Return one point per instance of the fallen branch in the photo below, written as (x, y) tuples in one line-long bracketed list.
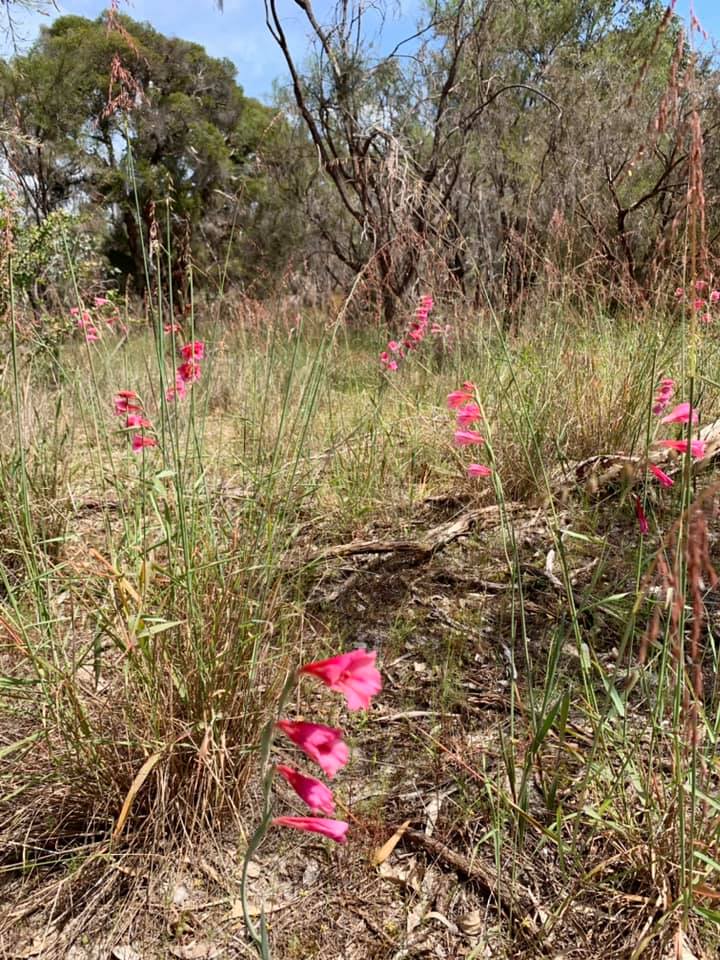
[(435, 539)]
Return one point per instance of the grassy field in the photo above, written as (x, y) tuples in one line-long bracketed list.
[(546, 739)]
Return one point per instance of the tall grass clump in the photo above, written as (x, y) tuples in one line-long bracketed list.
[(146, 620)]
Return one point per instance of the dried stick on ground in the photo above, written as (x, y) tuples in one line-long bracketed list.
[(513, 899)]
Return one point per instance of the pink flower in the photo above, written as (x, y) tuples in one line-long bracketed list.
[(74, 311), (458, 397), (101, 301), (681, 414), (91, 334), (126, 401), (139, 441), (136, 420), (84, 319), (464, 438), (384, 357), (353, 674), (334, 829), (679, 294), (700, 285), (394, 346), (641, 518), (468, 414), (663, 478), (172, 328), (189, 372), (697, 447), (193, 351), (478, 470), (667, 388), (393, 365), (322, 744), (706, 318), (699, 304), (313, 792), (176, 392), (714, 296)]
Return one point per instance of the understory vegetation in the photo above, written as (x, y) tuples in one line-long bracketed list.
[(295, 394)]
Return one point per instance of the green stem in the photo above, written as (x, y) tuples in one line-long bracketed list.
[(268, 775)]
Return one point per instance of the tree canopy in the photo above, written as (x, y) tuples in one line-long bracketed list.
[(150, 128)]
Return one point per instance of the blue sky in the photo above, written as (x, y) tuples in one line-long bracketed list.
[(241, 35)]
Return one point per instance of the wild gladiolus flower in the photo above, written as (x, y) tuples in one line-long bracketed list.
[(126, 401), (714, 296), (664, 396), (468, 414), (699, 304), (322, 744), (136, 420), (101, 301), (697, 447), (74, 311), (334, 829), (681, 414), (193, 351), (139, 441), (176, 392), (457, 398), (171, 328), (313, 792), (189, 372), (478, 470), (641, 518), (353, 674), (663, 478), (464, 438), (700, 285), (91, 334)]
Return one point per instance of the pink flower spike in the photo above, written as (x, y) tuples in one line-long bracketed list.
[(681, 414), (91, 334), (353, 674), (468, 414), (139, 441), (392, 365), (74, 311), (714, 296), (322, 744), (663, 479), (697, 447), (189, 372), (464, 438), (312, 791), (101, 301), (699, 304), (394, 346), (641, 518), (478, 470), (334, 829)]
